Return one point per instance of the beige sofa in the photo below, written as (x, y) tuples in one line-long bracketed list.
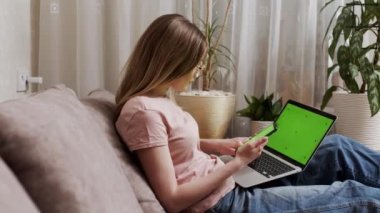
[(60, 153)]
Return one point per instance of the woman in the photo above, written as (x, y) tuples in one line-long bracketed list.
[(178, 165)]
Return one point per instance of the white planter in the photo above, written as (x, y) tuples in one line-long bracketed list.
[(354, 119), (259, 125), (212, 113)]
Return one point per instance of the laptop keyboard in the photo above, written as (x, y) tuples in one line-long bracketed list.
[(269, 166)]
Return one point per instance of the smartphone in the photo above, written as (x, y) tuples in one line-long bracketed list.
[(262, 133)]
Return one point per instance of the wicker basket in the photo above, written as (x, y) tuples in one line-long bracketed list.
[(212, 113)]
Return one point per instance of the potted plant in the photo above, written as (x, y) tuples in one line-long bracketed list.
[(358, 102), (216, 51), (262, 111), (211, 109)]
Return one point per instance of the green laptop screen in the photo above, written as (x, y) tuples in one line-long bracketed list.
[(299, 132)]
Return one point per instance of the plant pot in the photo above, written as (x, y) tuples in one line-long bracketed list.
[(256, 126), (212, 113), (354, 119)]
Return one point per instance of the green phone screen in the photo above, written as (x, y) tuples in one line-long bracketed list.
[(262, 133)]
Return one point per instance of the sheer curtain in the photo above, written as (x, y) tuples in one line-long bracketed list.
[(277, 45), (279, 50), (85, 43)]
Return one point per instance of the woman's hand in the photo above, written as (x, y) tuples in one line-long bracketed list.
[(250, 151), (230, 145)]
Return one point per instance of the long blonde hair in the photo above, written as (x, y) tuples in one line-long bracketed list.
[(169, 48)]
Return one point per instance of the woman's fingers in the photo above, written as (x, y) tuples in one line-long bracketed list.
[(252, 150), (261, 142), (231, 151)]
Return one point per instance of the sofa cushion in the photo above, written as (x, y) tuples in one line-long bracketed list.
[(102, 106), (55, 147), (13, 197)]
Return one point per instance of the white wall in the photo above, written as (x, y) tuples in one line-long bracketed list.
[(15, 45)]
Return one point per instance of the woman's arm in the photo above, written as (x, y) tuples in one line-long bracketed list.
[(159, 170), (221, 146)]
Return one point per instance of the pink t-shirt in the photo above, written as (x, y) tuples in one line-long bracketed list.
[(149, 122)]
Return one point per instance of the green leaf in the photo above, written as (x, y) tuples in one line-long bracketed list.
[(329, 25), (343, 20), (365, 50), (369, 12), (356, 42), (261, 99), (354, 70), (277, 106), (331, 48), (327, 96), (226, 49), (373, 93), (247, 99), (346, 72), (270, 98), (352, 85), (244, 112), (348, 26), (259, 113), (254, 99), (267, 108), (369, 2), (377, 12), (224, 55), (324, 6), (343, 56), (267, 116), (366, 69), (331, 69), (262, 108)]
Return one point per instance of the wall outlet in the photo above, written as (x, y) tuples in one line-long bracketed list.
[(54, 7), (22, 82)]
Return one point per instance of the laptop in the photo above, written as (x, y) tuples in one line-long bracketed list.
[(299, 130)]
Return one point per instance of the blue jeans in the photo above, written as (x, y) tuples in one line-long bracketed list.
[(343, 176)]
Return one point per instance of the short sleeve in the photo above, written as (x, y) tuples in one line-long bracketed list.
[(145, 129)]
